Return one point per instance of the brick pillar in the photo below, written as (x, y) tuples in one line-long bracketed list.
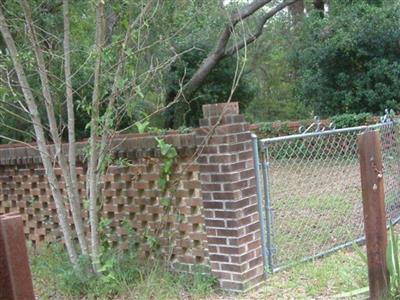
[(229, 197)]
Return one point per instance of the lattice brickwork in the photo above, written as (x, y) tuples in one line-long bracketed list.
[(130, 200)]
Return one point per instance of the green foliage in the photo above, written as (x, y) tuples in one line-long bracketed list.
[(165, 202), (143, 84), (352, 120), (52, 266), (275, 98), (168, 155), (142, 126), (152, 241), (122, 162), (184, 129), (349, 62), (339, 272), (124, 276), (393, 265), (217, 87), (272, 129)]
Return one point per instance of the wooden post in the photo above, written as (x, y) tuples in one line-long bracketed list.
[(15, 276), (371, 168)]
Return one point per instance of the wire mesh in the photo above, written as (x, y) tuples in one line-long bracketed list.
[(312, 190)]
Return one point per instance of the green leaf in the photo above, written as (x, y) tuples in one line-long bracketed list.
[(357, 292), (166, 202), (168, 166), (392, 257), (162, 183), (142, 126), (360, 253), (165, 148), (172, 153)]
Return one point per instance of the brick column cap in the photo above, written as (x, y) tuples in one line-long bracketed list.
[(214, 110)]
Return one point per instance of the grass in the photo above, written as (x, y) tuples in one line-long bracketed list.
[(318, 225), (340, 272), (54, 279), (124, 278), (316, 206)]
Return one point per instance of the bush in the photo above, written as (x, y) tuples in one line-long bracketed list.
[(352, 120), (349, 62), (272, 129)]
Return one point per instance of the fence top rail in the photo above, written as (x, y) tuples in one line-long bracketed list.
[(322, 133)]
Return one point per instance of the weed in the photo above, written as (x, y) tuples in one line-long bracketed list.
[(123, 277)]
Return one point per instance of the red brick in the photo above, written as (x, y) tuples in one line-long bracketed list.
[(223, 158), (213, 205), (215, 223), (226, 195), (211, 110), (224, 177), (228, 232), (231, 267), (220, 258), (211, 187), (230, 128), (217, 241)]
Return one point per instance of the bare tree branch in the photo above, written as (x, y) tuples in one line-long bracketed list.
[(220, 52), (93, 172), (259, 29), (75, 201)]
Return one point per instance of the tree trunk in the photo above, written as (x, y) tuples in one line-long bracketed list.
[(55, 133), (296, 11), (319, 6), (75, 200), (93, 171), (40, 140)]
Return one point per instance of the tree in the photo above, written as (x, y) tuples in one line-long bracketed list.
[(105, 78), (296, 11), (319, 6), (349, 62), (217, 85)]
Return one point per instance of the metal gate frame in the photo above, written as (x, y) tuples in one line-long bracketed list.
[(261, 166)]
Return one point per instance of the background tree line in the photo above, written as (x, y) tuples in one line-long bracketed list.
[(318, 57)]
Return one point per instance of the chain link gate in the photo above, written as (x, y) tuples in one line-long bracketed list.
[(309, 191)]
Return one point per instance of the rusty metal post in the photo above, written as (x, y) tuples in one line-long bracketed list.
[(371, 168), (15, 275)]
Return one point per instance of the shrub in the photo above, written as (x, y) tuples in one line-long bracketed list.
[(352, 120), (349, 61)]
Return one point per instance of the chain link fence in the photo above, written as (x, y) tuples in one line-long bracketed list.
[(310, 191)]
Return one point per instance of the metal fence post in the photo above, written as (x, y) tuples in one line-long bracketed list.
[(257, 165), (268, 209)]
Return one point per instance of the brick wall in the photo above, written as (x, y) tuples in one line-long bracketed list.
[(130, 199), (213, 220)]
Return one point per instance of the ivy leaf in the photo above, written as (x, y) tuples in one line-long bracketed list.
[(142, 126), (168, 166), (166, 202), (171, 153), (162, 183)]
